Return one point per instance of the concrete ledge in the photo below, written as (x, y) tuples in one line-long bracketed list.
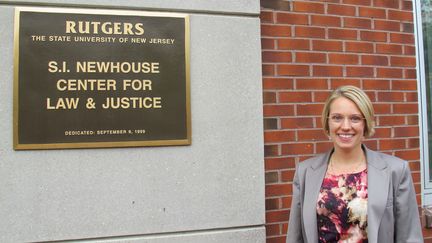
[(234, 235)]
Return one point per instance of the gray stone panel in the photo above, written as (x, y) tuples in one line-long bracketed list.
[(216, 183), (213, 6)]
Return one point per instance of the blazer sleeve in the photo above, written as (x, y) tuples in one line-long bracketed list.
[(407, 220), (294, 234)]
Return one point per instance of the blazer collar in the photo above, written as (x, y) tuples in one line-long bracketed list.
[(373, 159), (321, 161), (377, 192), (314, 177)]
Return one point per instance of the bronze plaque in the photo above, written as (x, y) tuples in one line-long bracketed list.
[(100, 78)]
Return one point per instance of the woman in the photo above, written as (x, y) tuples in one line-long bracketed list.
[(351, 193)]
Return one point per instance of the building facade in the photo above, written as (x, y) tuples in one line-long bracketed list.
[(214, 190), (209, 191), (311, 47)]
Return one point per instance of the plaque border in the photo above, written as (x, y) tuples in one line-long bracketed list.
[(176, 142)]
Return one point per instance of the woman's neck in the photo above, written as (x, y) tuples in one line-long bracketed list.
[(347, 157)]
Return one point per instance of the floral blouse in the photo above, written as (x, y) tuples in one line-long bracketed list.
[(342, 208)]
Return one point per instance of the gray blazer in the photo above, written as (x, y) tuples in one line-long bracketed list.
[(392, 208)]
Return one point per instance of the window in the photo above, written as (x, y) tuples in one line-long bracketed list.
[(423, 23)]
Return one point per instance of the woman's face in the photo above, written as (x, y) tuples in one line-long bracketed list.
[(346, 124)]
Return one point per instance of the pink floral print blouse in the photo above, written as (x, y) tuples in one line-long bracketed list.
[(342, 208)]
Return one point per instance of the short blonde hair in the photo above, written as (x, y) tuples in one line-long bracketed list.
[(359, 98)]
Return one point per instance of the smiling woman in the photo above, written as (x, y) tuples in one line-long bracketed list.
[(350, 192)]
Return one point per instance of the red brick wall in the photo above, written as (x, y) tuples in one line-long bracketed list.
[(312, 47)]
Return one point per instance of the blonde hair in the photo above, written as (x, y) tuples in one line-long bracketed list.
[(359, 98)]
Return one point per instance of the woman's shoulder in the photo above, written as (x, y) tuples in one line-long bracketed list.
[(314, 161), (387, 160)]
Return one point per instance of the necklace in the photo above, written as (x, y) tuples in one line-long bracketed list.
[(351, 171)]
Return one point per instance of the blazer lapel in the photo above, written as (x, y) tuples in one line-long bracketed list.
[(313, 180), (378, 186)]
